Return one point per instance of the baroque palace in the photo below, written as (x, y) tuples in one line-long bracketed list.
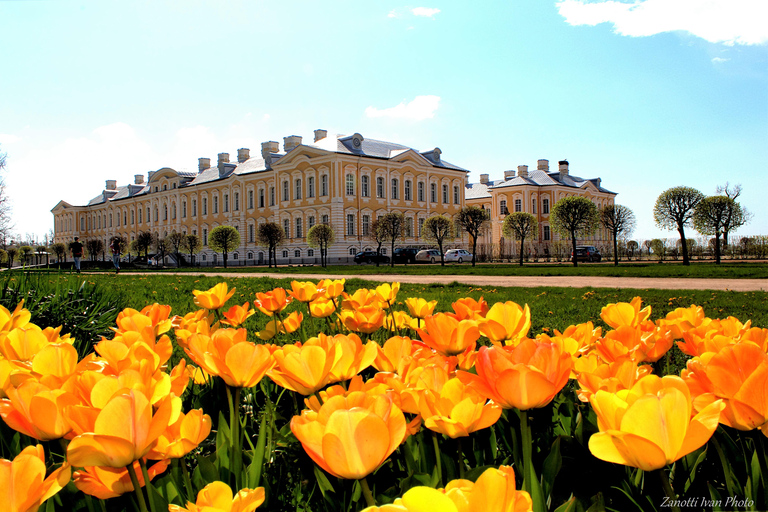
[(345, 181)]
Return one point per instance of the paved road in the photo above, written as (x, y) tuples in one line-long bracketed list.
[(737, 285)]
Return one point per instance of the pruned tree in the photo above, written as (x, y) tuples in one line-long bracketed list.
[(574, 217), (39, 251), (711, 216), (473, 220), (437, 229), (176, 245), (674, 209), (659, 246), (161, 249), (224, 239), (520, 225), (12, 253), (620, 221), (60, 250), (321, 236), (738, 215), (379, 235), (392, 225), (632, 246), (144, 240), (122, 243), (25, 251), (192, 244), (271, 235), (93, 246)]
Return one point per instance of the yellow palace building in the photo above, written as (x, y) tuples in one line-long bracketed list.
[(344, 181)]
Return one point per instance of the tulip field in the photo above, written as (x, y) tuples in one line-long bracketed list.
[(374, 400)]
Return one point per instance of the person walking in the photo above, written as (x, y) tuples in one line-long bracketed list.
[(77, 252), (115, 246)]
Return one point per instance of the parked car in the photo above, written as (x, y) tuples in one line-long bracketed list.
[(370, 257), (405, 255), (587, 253), (428, 255), (459, 255)]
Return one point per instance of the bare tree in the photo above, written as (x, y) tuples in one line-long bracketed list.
[(176, 244), (711, 216), (161, 249), (473, 220), (6, 225), (271, 235), (378, 234), (620, 221), (674, 210), (93, 246), (321, 236), (436, 230), (573, 217), (60, 250), (144, 240), (393, 226), (192, 244), (520, 225), (738, 215)]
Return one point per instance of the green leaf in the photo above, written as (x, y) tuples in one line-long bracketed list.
[(357, 491), (322, 481), (552, 465), (692, 472), (572, 505), (223, 444), (205, 472), (474, 473), (254, 470)]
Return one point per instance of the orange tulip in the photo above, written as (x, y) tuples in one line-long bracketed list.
[(351, 435), (456, 410), (125, 430), (291, 323), (304, 291), (55, 364), (154, 317), (387, 293), (23, 486), (506, 322), (182, 436), (584, 335), (522, 377), (228, 354), (470, 309), (304, 368), (237, 315), (214, 298), (321, 307), (650, 425), (198, 322), (419, 307), (272, 302), (331, 288), (712, 335), (682, 320), (625, 313), (104, 483), (593, 374), (353, 358), (643, 342), (394, 353), (22, 343), (399, 320), (362, 297), (737, 374), (447, 335), (365, 319), (37, 411), (218, 497)]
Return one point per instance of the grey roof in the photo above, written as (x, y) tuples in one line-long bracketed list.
[(543, 179)]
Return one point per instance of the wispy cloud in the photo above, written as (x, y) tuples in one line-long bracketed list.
[(728, 22), (392, 14), (427, 12), (7, 138), (420, 108), (718, 60)]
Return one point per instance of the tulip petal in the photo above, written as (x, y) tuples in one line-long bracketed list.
[(702, 426), (627, 449), (100, 450), (660, 419), (425, 499), (355, 443)]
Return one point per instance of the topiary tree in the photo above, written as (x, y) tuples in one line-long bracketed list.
[(60, 250), (574, 217), (192, 244), (39, 251), (271, 235), (620, 221), (436, 230), (93, 246), (321, 236), (520, 225), (674, 209), (711, 217), (473, 220), (224, 239), (632, 246), (392, 225)]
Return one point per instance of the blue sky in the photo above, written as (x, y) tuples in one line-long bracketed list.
[(646, 94)]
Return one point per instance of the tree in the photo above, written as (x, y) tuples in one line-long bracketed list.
[(12, 253), (320, 236), (711, 216), (392, 225), (659, 246), (25, 251), (93, 246), (176, 244), (271, 235), (436, 230), (60, 250), (632, 246), (192, 244), (378, 234), (620, 221), (39, 251), (737, 216), (161, 249), (122, 243), (520, 225), (224, 239), (144, 240), (574, 217), (674, 210), (473, 220), (5, 204)]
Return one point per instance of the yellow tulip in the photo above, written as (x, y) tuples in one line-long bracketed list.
[(182, 436), (19, 318), (470, 309), (651, 424), (229, 355), (456, 410), (218, 497), (104, 483), (625, 313), (23, 486), (304, 291), (712, 335), (387, 293), (321, 307), (447, 335), (399, 320), (682, 320), (365, 319), (304, 368), (125, 430), (419, 307), (37, 411), (22, 343), (331, 288), (506, 322), (237, 315), (351, 435), (353, 357), (361, 298), (593, 374), (214, 298)]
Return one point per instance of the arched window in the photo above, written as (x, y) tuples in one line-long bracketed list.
[(365, 186), (297, 191), (297, 253), (545, 206)]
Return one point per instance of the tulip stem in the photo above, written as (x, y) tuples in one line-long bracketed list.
[(525, 440), (668, 490), (147, 484), (439, 462), (234, 431), (460, 458), (367, 492), (187, 479), (137, 488)]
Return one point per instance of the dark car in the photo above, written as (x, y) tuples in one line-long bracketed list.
[(404, 255), (370, 257), (587, 253)]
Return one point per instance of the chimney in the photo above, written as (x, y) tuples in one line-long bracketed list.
[(508, 175), (522, 171), (320, 134), (269, 147), (203, 164), (543, 165), (483, 178), (291, 142), (111, 185), (243, 154), (138, 179), (563, 167), (223, 159)]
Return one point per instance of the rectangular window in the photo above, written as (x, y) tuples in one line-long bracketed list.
[(380, 188), (325, 219), (546, 233), (365, 186), (110, 220), (421, 191), (271, 196), (310, 222), (455, 194), (205, 206), (518, 205), (194, 208), (366, 224), (286, 187), (545, 206), (395, 188), (133, 218), (250, 199), (125, 218), (421, 226), (409, 226), (237, 201), (82, 223), (350, 185), (311, 186), (298, 228), (433, 192), (407, 190), (139, 212), (226, 203), (205, 236), (251, 230), (215, 205), (287, 228), (533, 205), (261, 198), (183, 210), (324, 185), (297, 191), (148, 217), (350, 224), (445, 194), (503, 207)]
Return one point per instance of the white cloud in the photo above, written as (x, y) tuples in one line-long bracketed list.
[(718, 60), (718, 21), (7, 138), (422, 107), (427, 12), (392, 14)]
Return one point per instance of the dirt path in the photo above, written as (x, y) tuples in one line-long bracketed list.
[(736, 285)]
